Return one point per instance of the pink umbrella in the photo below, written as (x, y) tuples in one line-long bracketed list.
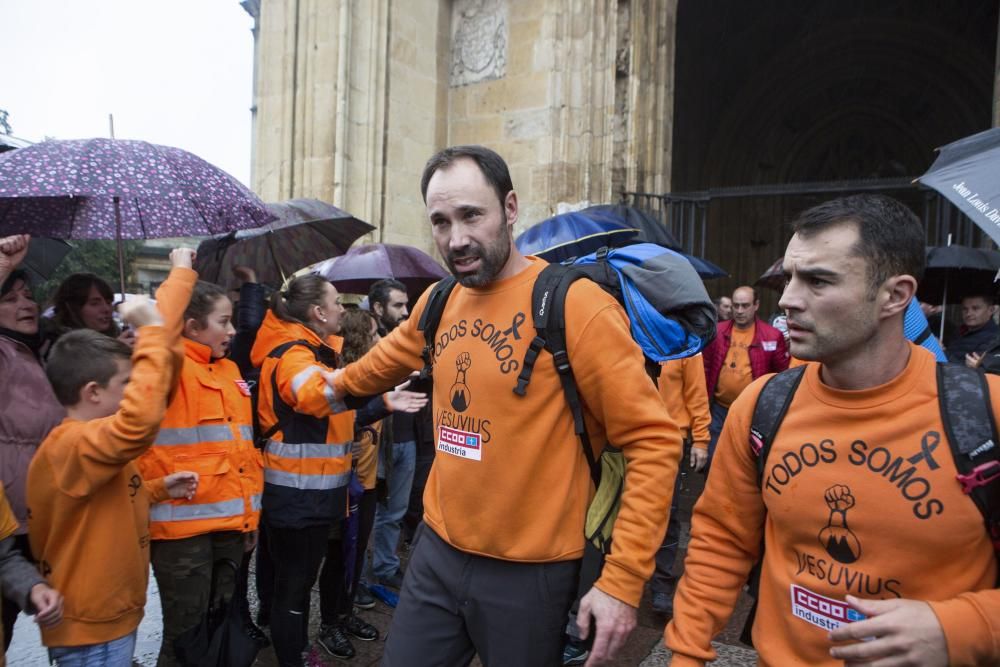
[(362, 266)]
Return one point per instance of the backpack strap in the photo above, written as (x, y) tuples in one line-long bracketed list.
[(431, 318), (971, 430), (543, 299), (548, 305), (279, 407), (772, 405), (769, 412)]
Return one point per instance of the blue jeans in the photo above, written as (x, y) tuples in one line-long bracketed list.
[(389, 515), (719, 413), (115, 653)]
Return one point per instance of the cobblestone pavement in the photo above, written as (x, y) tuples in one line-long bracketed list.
[(644, 648)]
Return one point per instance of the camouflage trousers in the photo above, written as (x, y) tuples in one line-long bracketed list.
[(183, 571)]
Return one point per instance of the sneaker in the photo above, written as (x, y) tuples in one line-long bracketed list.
[(574, 652), (356, 627), (256, 634), (363, 598), (394, 580), (663, 603), (335, 642)]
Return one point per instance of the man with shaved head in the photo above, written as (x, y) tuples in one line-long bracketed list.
[(744, 349)]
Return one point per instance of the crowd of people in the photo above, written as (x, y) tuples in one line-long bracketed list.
[(210, 428)]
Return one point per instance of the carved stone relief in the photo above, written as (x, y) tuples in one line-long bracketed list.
[(478, 41)]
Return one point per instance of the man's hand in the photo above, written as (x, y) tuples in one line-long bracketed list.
[(898, 632), (140, 312), (181, 485), (973, 359), (613, 620), (400, 400), (48, 604), (250, 541), (699, 457), (245, 274), (330, 377), (12, 251), (182, 258)]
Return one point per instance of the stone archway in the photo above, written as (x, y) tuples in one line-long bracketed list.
[(789, 92)]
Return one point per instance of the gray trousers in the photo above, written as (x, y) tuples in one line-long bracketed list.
[(454, 605)]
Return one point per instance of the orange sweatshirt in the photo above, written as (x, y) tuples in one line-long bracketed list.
[(88, 505), (510, 480), (682, 387), (859, 497)]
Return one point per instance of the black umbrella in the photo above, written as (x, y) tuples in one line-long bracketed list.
[(954, 272), (965, 173), (306, 231), (44, 255), (650, 229)]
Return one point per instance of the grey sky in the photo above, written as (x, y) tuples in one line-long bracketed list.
[(178, 73)]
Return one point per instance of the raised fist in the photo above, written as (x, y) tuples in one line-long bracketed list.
[(245, 274), (182, 257), (140, 312), (12, 251), (837, 538), (839, 498), (464, 362)]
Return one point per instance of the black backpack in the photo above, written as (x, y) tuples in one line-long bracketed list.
[(969, 425), (691, 311)]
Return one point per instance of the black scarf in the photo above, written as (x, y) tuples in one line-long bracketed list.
[(33, 341)]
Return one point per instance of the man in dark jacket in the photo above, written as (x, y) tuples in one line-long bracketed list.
[(744, 349), (977, 333)]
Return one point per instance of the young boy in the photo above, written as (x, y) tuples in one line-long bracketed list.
[(88, 507)]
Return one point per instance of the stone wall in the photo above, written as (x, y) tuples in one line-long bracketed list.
[(353, 97)]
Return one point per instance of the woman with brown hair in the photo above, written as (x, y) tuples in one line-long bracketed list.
[(28, 406), (307, 447), (337, 591), (84, 301)]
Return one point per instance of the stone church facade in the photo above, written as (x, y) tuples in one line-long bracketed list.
[(745, 112), (353, 96)]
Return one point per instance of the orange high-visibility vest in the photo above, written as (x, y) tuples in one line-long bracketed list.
[(208, 429), (307, 456)]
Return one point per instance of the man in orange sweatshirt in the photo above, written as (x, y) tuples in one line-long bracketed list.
[(871, 551), (88, 507), (494, 570)]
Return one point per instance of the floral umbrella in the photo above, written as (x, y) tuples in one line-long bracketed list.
[(120, 189)]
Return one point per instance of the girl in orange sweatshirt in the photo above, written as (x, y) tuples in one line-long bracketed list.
[(208, 428)]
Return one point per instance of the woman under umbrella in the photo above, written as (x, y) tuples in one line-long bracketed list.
[(28, 406)]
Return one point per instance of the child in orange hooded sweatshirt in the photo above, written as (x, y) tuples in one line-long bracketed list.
[(88, 505)]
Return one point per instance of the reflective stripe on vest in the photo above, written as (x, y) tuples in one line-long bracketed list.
[(307, 450), (302, 377), (255, 501), (226, 508), (246, 432), (336, 406), (195, 435), (307, 482)]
